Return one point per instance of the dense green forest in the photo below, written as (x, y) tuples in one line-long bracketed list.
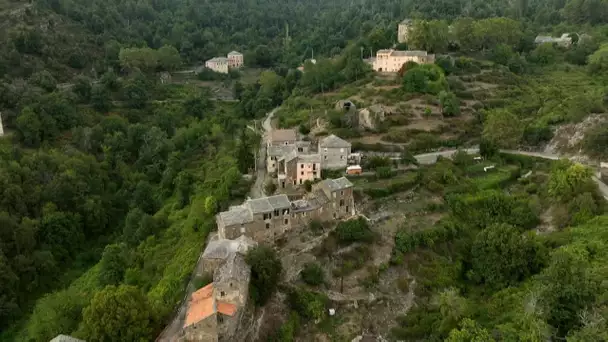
[(114, 178)]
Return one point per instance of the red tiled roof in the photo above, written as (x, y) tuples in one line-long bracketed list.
[(202, 305), (226, 308)]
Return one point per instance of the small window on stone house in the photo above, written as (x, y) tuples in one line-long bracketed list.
[(286, 221), (276, 212), (301, 166), (267, 225), (222, 293)]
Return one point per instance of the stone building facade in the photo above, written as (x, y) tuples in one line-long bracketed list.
[(334, 152), (403, 30), (274, 153), (261, 219), (215, 310), (266, 219), (295, 169)]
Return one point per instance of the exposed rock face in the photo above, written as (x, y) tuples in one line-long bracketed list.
[(567, 138), (371, 116)]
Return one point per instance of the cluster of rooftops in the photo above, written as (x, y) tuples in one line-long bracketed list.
[(244, 213)]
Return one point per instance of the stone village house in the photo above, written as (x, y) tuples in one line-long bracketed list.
[(334, 152), (403, 30), (214, 311), (295, 163), (296, 168), (268, 218)]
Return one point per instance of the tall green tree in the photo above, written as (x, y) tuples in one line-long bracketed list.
[(502, 128), (266, 272), (502, 257), (118, 314)]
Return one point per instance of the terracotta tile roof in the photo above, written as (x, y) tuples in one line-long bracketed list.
[(226, 308), (202, 305)]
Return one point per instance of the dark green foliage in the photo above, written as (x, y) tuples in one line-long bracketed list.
[(426, 78), (384, 172), (450, 104), (502, 257), (446, 63), (266, 272), (536, 135), (595, 141), (487, 148), (316, 226), (544, 54), (82, 88), (407, 241), (376, 162), (312, 274), (269, 188), (356, 230), (568, 288), (490, 207), (118, 313), (112, 265), (288, 330), (308, 304), (100, 98)]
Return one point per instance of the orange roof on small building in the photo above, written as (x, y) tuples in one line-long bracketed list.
[(202, 305), (226, 308)]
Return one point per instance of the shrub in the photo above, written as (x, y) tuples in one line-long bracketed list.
[(270, 188), (266, 272), (313, 274), (351, 231), (309, 304), (384, 172)]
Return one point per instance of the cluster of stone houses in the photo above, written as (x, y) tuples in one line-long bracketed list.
[(266, 219), (222, 65), (295, 161), (214, 311)]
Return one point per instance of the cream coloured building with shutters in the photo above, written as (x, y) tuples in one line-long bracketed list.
[(392, 60)]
